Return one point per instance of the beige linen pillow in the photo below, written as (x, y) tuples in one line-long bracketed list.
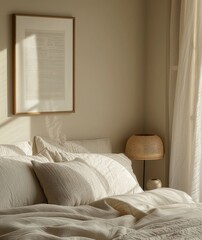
[(20, 148), (81, 181), (71, 183), (102, 145), (19, 185)]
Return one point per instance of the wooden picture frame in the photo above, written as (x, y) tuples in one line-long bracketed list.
[(43, 60)]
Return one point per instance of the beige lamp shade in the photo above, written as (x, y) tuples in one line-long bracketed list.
[(144, 147)]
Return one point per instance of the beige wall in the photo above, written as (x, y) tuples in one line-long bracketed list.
[(109, 70), (157, 59), (120, 69)]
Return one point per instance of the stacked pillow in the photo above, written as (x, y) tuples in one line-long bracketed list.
[(101, 145), (59, 151), (20, 148), (18, 183), (67, 173), (81, 178), (84, 180)]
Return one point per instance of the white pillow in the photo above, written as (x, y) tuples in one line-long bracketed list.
[(28, 159), (81, 182), (62, 156), (101, 145), (122, 159), (20, 148), (19, 185), (45, 153)]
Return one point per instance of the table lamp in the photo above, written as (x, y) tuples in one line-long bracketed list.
[(144, 147)]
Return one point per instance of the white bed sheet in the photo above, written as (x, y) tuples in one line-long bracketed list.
[(156, 214)]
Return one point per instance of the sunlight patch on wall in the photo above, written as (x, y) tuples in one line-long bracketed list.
[(12, 129), (15, 130), (28, 86)]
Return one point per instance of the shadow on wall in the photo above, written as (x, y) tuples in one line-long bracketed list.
[(54, 128), (3, 85)]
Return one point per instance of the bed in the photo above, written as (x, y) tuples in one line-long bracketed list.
[(81, 190)]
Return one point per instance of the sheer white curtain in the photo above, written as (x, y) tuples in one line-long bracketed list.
[(186, 135)]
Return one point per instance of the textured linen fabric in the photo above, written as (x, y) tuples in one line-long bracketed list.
[(181, 226), (92, 158), (19, 185), (20, 148), (68, 156), (81, 182), (61, 156), (185, 107), (73, 183), (102, 145), (122, 159), (22, 158), (166, 216)]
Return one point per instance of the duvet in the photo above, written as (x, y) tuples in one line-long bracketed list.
[(158, 214)]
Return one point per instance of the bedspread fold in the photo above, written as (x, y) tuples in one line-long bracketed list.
[(147, 215)]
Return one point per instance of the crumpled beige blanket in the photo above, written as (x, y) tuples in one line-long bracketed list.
[(118, 217)]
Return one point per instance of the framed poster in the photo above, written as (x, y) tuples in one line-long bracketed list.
[(43, 64)]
